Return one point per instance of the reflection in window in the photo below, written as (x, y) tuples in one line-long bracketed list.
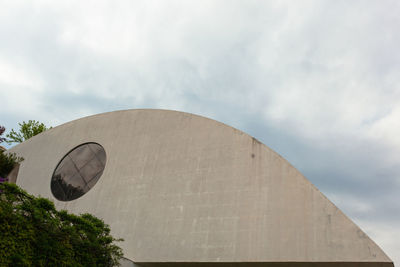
[(78, 171)]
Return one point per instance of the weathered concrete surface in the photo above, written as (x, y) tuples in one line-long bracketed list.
[(182, 188)]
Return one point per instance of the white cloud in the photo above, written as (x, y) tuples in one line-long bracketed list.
[(387, 128), (12, 75), (19, 87)]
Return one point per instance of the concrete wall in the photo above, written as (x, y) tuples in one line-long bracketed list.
[(182, 188)]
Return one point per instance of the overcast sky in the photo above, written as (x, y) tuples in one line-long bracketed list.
[(317, 81)]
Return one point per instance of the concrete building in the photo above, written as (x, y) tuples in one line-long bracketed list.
[(186, 190)]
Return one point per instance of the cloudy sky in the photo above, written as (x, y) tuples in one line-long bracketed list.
[(317, 81)]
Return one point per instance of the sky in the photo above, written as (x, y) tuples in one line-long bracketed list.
[(317, 81)]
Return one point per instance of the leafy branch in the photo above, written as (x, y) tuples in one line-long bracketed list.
[(26, 131)]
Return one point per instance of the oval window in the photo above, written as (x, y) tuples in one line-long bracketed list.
[(78, 171)]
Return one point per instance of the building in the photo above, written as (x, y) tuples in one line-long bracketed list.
[(186, 190)]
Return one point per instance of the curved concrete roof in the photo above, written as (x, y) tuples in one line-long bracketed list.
[(183, 188)]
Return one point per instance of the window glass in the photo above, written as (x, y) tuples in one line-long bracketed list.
[(78, 171)]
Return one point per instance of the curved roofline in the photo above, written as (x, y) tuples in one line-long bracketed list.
[(177, 111), (151, 109), (255, 140), (157, 109), (183, 112)]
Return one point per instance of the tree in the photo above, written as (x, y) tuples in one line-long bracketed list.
[(26, 131), (7, 160), (34, 233)]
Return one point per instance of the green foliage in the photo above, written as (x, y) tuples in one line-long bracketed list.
[(26, 131), (7, 162), (34, 233)]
